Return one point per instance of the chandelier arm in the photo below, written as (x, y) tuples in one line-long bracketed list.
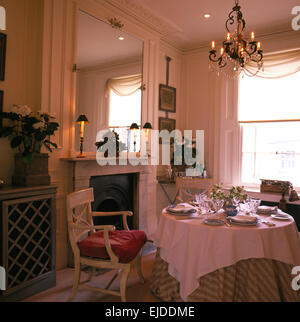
[(260, 53), (213, 56), (230, 20), (239, 18), (222, 63), (253, 47)]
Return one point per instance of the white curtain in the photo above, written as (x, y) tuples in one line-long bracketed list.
[(277, 65), (125, 86)]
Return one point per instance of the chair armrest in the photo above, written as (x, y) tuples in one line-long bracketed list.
[(105, 228), (91, 227), (114, 213), (125, 214)]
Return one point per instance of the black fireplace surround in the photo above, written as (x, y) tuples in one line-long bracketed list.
[(114, 193)]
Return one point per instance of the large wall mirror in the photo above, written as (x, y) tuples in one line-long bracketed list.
[(109, 80)]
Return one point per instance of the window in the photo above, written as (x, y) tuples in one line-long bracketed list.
[(123, 111), (269, 114), (125, 98)]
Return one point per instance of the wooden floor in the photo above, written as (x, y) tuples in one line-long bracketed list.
[(136, 292)]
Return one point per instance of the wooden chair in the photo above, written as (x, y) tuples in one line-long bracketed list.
[(81, 228)]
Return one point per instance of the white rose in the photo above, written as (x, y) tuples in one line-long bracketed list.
[(37, 126), (22, 110)]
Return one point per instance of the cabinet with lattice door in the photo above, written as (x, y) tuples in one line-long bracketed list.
[(27, 241)]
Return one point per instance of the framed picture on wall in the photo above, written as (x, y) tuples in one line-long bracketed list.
[(2, 55), (167, 124), (167, 98), (1, 106)]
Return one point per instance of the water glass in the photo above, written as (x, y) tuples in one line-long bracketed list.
[(217, 204)]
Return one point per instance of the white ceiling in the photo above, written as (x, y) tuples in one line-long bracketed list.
[(180, 22), (190, 29), (98, 44)]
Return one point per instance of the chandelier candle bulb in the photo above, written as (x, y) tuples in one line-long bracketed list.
[(213, 45), (222, 51), (252, 36), (258, 45), (228, 36)]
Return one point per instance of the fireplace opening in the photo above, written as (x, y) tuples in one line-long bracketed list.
[(115, 193)]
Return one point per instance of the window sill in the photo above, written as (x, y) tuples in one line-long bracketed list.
[(268, 196)]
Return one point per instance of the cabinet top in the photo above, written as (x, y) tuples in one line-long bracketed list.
[(7, 190)]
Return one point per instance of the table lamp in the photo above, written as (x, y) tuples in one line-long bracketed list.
[(134, 127), (147, 127), (82, 120)]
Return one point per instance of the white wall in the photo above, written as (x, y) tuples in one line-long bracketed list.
[(23, 74)]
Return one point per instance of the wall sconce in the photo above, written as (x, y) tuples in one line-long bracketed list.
[(147, 127), (82, 120), (134, 127)]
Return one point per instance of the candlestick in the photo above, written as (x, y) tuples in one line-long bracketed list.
[(82, 120), (147, 127), (134, 127)]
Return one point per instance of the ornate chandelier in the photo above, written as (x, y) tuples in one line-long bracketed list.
[(237, 55)]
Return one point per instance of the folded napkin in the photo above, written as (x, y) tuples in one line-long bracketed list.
[(217, 216), (243, 218), (266, 210)]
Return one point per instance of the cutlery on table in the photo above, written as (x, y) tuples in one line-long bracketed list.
[(268, 223)]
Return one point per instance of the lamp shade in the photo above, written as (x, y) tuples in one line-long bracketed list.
[(147, 126), (82, 118), (134, 126)]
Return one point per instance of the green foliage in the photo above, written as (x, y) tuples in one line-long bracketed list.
[(220, 193), (28, 131)]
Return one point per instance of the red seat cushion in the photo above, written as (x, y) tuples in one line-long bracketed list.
[(125, 244)]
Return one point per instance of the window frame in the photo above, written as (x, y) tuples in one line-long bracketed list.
[(251, 185)]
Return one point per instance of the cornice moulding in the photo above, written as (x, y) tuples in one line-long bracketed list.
[(146, 18), (169, 35)]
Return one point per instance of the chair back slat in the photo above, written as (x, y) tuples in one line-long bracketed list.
[(78, 212), (80, 197)]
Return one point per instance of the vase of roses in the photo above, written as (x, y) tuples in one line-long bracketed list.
[(28, 132)]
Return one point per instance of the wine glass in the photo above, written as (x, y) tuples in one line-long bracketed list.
[(217, 204), (253, 204)]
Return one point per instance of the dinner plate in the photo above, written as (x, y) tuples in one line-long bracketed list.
[(281, 217), (214, 222), (186, 213), (239, 223)]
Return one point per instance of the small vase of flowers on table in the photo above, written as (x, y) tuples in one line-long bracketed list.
[(232, 197)]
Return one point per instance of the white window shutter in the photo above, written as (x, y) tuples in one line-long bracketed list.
[(229, 134)]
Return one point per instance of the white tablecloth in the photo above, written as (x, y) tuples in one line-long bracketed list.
[(193, 249)]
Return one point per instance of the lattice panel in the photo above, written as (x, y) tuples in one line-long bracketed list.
[(29, 240)]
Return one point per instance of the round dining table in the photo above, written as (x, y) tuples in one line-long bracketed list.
[(200, 262)]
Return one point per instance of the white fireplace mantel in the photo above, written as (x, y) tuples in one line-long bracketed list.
[(82, 169)]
